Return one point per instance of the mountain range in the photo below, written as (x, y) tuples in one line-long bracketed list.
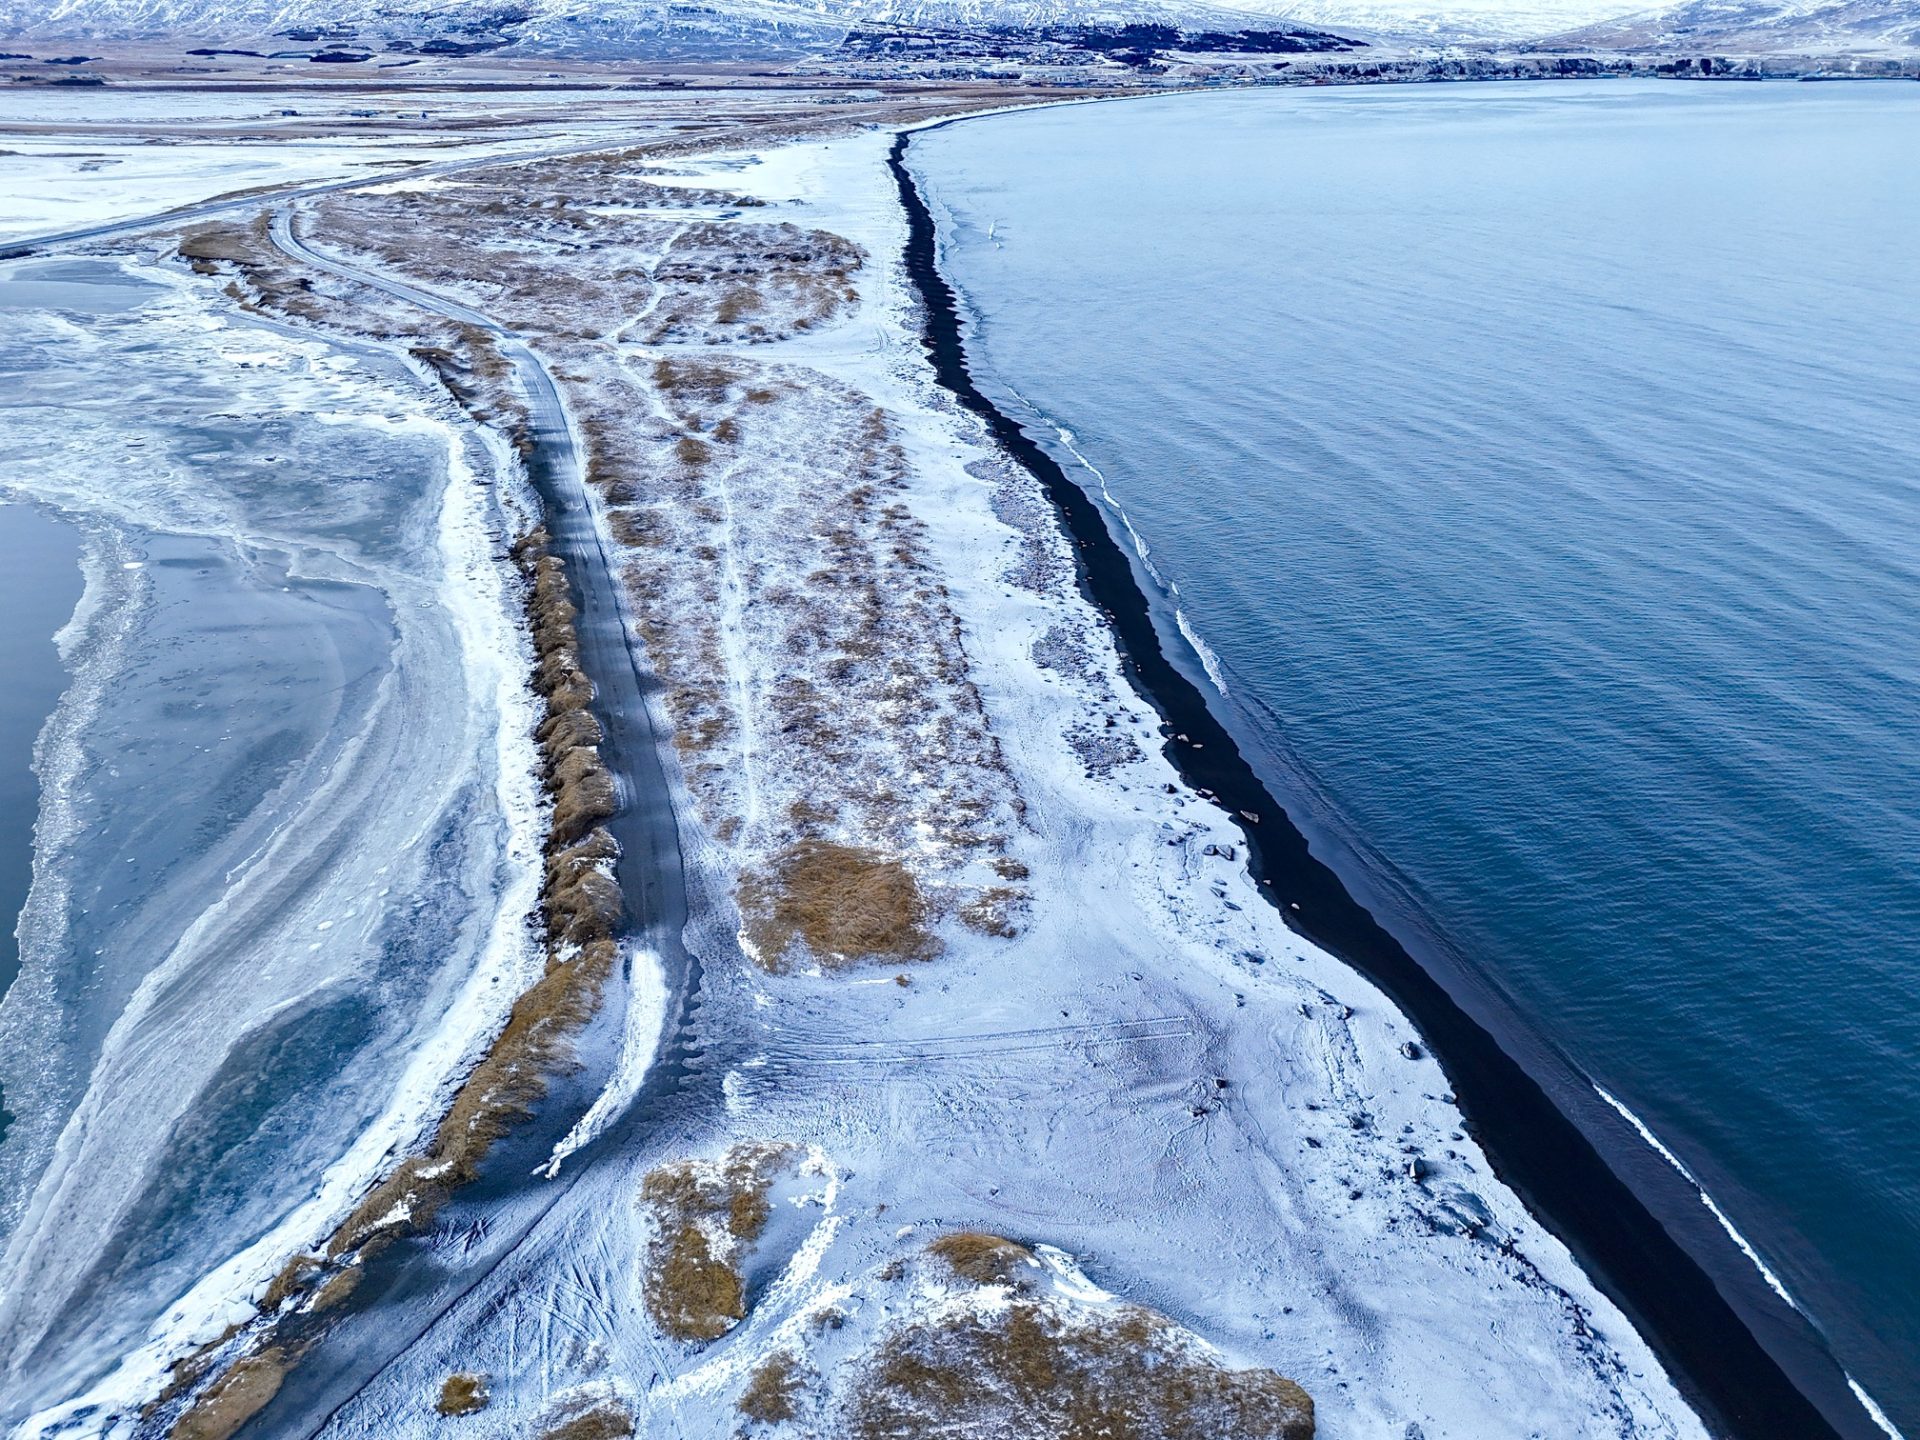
[(614, 26)]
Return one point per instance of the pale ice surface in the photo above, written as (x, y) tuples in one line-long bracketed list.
[(289, 831)]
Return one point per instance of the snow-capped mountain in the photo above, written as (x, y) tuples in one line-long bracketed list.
[(540, 22), (572, 24), (1761, 27), (1727, 26), (1451, 21)]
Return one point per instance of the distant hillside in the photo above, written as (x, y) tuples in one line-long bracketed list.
[(567, 24), (1760, 27)]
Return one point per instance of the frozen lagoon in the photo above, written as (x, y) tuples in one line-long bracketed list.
[(287, 806)]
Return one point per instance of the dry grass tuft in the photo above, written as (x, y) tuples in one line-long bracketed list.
[(845, 903), (706, 1214), (235, 1398), (464, 1393), (992, 911), (295, 1276), (737, 304), (692, 1294), (641, 529), (1027, 1369), (982, 1258), (340, 1285), (772, 1390), (702, 380), (605, 1421)]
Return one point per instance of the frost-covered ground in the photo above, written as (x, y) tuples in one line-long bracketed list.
[(69, 160), (866, 626)]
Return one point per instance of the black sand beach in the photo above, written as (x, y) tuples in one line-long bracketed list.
[(1741, 1387)]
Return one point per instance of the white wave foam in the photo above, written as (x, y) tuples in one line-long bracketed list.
[(1209, 661), (1874, 1412), (1774, 1281)]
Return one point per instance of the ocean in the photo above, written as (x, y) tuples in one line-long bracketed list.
[(1532, 471)]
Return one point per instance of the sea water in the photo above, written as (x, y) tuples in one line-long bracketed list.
[(1534, 472)]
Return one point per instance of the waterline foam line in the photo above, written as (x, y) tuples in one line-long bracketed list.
[(1774, 1282), (1740, 1388)]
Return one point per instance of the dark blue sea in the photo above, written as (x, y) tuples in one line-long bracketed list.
[(1535, 468)]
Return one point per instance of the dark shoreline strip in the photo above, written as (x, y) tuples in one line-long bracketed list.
[(1711, 1354)]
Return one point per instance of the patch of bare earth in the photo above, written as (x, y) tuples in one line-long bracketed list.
[(463, 1393)]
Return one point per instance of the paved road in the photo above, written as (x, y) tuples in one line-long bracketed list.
[(408, 1290), (650, 865)]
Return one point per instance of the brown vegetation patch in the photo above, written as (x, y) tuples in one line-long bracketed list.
[(845, 903), (706, 381), (464, 1393), (235, 1398), (295, 1276), (739, 282), (691, 1293), (1030, 1370), (772, 1390), (992, 911), (706, 1214), (642, 529), (339, 1286), (982, 1258), (604, 1421)]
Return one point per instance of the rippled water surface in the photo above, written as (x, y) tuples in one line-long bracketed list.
[(1540, 465)]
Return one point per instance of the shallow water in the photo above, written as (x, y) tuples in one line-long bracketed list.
[(1535, 467), (280, 855)]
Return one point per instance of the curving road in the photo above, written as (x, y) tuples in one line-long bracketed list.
[(650, 869), (408, 1290)]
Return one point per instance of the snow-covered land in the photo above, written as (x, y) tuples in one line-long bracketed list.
[(579, 26), (973, 963), (997, 1073)]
